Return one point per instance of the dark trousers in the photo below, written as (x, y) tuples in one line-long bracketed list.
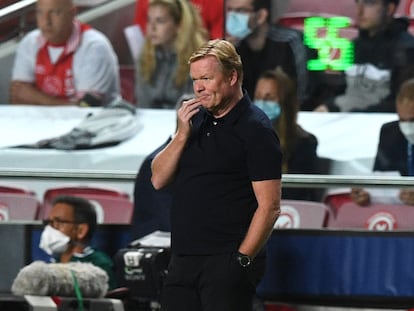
[(210, 283)]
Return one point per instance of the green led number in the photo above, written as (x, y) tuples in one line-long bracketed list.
[(327, 45)]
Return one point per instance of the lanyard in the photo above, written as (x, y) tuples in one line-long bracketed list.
[(410, 159)]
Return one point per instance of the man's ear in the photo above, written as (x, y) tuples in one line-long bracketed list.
[(82, 231), (233, 77), (391, 9), (262, 16)]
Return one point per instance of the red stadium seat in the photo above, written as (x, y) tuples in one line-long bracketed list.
[(335, 200), (18, 203), (112, 206), (16, 189), (278, 307), (127, 80), (294, 20), (376, 217), (301, 214)]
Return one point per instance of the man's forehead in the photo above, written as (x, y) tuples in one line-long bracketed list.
[(55, 3)]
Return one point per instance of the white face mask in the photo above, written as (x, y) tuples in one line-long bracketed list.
[(407, 128), (53, 242), (237, 25)]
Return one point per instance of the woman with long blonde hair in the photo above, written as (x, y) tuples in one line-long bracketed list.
[(174, 30)]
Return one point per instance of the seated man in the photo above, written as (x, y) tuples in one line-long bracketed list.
[(395, 148), (264, 45), (69, 229), (381, 53), (63, 62)]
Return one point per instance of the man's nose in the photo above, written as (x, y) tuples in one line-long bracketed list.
[(198, 86)]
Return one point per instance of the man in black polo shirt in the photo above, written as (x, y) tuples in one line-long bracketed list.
[(224, 163)]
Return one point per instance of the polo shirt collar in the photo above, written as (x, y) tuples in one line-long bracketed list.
[(72, 43), (235, 113)]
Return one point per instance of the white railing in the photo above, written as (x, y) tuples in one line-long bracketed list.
[(18, 9), (289, 180)]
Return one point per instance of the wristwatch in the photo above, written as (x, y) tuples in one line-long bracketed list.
[(244, 260)]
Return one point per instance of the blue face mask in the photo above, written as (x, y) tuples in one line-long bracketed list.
[(237, 25), (270, 108)]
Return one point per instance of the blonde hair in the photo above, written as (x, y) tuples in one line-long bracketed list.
[(226, 55), (406, 92), (191, 35)]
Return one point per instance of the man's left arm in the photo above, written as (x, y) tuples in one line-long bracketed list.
[(268, 193), (25, 93)]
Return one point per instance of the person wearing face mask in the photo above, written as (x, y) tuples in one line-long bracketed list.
[(275, 94), (382, 51), (395, 148), (69, 229), (263, 44)]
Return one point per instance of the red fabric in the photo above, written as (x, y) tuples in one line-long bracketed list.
[(127, 79), (276, 307), (57, 79), (212, 13), (335, 201)]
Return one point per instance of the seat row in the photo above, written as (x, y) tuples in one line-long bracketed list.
[(112, 205), (115, 207), (297, 214)]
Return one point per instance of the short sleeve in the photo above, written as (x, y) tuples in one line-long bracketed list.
[(264, 156), (96, 66), (24, 62)]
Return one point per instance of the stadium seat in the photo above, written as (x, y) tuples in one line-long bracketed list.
[(127, 80), (18, 203), (15, 189), (335, 200), (278, 307), (294, 20), (375, 217), (301, 214), (344, 8), (112, 206)]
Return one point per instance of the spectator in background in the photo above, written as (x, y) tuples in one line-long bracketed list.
[(174, 31), (64, 62), (276, 95), (395, 149), (212, 14), (382, 50), (69, 229), (264, 45), (151, 207)]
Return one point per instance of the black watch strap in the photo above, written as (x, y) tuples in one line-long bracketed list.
[(244, 260)]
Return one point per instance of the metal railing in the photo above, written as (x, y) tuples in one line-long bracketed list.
[(19, 10), (289, 180)]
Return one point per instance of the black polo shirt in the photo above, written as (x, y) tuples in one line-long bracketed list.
[(213, 200)]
